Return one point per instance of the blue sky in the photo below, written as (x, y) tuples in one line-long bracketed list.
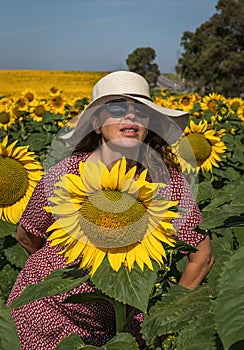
[(95, 35)]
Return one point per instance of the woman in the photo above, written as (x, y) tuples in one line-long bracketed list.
[(120, 121)]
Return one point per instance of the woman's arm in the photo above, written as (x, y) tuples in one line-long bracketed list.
[(30, 242), (199, 265)]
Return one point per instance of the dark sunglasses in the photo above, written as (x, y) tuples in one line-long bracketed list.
[(118, 108)]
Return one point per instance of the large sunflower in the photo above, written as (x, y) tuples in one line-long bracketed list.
[(200, 148), (108, 213), (19, 174)]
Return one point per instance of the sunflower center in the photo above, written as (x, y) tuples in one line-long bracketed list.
[(235, 105), (212, 105), (13, 181), (39, 110), (57, 101), (110, 219), (29, 96), (21, 103), (4, 118), (186, 101), (195, 148), (54, 90)]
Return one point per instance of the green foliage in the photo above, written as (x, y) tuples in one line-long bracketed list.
[(230, 310), (140, 61), (12, 258), (37, 135), (131, 288), (213, 56), (120, 341), (173, 312), (8, 335), (6, 228), (8, 275)]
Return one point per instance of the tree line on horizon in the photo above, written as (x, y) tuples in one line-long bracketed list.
[(213, 55)]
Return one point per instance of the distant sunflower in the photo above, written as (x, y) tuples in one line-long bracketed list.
[(240, 112), (22, 104), (171, 102), (160, 101), (108, 213), (57, 104), (234, 104), (37, 109), (54, 91), (71, 120), (200, 148), (6, 101), (186, 102), (165, 92), (6, 116), (19, 174), (211, 101), (28, 94)]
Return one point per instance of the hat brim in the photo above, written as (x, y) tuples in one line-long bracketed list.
[(176, 120)]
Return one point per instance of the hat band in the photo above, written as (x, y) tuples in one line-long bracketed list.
[(141, 96)]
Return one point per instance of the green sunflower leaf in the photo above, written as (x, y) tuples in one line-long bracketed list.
[(87, 298), (37, 141), (120, 341), (200, 330), (205, 191), (131, 288), (59, 281), (16, 255), (73, 342), (229, 305), (223, 250), (7, 228), (226, 216), (173, 312), (8, 334), (238, 231), (8, 276)]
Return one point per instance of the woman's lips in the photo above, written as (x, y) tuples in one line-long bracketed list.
[(129, 130)]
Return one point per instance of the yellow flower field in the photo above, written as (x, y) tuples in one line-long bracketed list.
[(73, 84), (118, 227)]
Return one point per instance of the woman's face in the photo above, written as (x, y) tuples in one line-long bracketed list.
[(126, 130)]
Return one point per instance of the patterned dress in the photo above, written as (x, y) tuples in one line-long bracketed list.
[(43, 323)]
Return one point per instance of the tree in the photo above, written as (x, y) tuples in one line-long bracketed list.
[(213, 57), (140, 61)]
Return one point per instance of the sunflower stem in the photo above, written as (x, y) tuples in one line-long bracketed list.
[(120, 313)]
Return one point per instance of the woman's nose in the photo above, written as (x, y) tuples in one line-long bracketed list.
[(130, 114)]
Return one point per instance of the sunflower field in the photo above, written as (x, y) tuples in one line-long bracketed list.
[(175, 318)]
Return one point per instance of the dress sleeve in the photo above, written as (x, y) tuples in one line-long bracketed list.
[(35, 218), (179, 190)]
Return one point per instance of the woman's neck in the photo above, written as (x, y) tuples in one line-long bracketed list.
[(110, 155)]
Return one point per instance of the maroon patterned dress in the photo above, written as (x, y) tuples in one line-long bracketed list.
[(43, 323)]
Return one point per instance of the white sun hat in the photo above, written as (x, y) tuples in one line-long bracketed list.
[(132, 85)]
